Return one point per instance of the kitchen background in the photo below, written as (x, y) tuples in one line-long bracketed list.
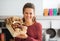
[(44, 15)]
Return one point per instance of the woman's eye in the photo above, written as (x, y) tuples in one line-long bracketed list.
[(30, 13), (26, 13)]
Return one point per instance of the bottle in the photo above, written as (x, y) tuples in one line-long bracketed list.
[(55, 12), (45, 12), (50, 12), (58, 11)]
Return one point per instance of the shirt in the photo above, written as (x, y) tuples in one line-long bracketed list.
[(34, 33)]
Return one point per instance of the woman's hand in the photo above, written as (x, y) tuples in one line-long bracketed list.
[(23, 36)]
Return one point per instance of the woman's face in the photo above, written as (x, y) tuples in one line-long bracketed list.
[(29, 14)]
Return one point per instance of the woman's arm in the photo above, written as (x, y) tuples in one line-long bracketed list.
[(22, 36), (39, 34), (23, 33)]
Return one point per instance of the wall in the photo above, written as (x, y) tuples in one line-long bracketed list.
[(51, 3), (14, 7)]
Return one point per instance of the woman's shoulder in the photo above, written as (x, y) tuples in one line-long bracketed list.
[(37, 23)]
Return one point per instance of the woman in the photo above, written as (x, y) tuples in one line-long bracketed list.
[(34, 31)]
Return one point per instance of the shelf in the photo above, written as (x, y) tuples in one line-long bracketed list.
[(37, 17), (48, 17), (4, 17)]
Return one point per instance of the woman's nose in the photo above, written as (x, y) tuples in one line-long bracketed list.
[(28, 14)]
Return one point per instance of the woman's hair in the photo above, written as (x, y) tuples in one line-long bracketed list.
[(29, 5)]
